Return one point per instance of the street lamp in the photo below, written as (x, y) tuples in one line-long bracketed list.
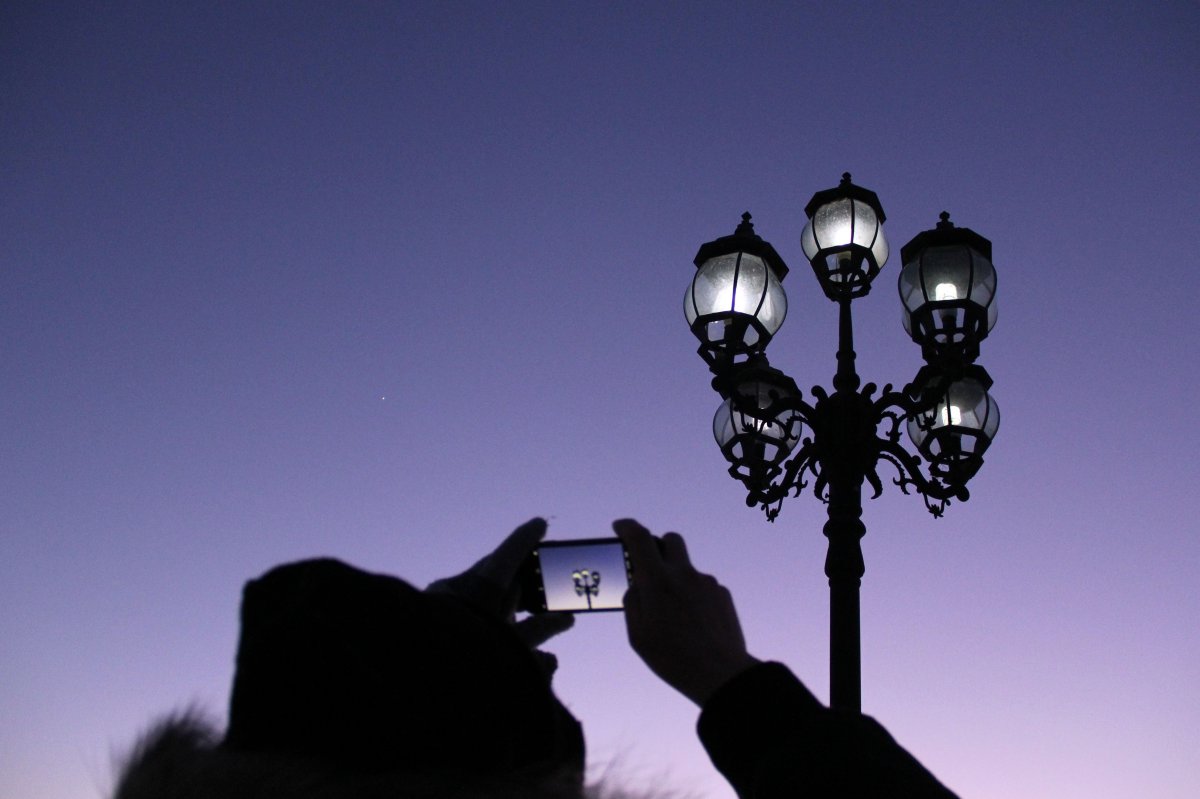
[(736, 303), (778, 443), (587, 584)]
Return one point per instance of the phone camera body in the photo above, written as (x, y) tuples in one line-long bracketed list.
[(585, 576)]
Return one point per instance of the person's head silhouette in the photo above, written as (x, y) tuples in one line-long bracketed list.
[(364, 673)]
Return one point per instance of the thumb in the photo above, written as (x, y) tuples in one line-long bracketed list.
[(539, 628)]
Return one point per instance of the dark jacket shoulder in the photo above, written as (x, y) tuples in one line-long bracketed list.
[(772, 738)]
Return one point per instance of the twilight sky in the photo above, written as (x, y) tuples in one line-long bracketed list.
[(382, 280)]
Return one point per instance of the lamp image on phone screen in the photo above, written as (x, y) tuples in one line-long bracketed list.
[(582, 576)]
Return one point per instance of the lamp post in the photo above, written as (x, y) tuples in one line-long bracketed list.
[(778, 443), (587, 584)]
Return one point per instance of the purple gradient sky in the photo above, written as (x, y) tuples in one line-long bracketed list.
[(382, 280)]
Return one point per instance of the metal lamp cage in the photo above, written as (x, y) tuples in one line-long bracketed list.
[(843, 239), (948, 289), (958, 429)]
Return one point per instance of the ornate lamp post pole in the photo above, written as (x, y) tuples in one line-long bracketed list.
[(736, 303)]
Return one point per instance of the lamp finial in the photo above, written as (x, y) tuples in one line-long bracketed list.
[(746, 228)]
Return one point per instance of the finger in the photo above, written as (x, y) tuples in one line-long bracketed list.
[(501, 566), (643, 551), (675, 549), (632, 605), (540, 628), (472, 587), (547, 662), (633, 628)]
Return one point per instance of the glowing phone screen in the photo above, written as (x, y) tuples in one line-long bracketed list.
[(583, 576)]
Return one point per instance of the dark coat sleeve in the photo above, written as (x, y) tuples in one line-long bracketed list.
[(772, 739)]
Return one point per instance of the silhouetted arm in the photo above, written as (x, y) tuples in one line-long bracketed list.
[(772, 739), (764, 731)]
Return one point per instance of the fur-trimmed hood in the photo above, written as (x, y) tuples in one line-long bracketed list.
[(180, 757)]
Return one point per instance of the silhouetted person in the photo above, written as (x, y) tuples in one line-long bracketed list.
[(351, 684), (763, 729)]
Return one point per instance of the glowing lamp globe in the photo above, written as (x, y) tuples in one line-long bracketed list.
[(843, 239), (958, 429), (756, 426), (948, 289), (735, 302)]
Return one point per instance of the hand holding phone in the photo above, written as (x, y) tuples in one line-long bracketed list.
[(681, 621)]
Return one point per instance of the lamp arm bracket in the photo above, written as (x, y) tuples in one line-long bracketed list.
[(807, 413), (791, 482), (794, 403), (908, 467), (803, 412), (913, 399)]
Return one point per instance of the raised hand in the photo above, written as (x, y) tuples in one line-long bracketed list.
[(680, 621)]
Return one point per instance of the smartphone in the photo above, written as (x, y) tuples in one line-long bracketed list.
[(584, 576)]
